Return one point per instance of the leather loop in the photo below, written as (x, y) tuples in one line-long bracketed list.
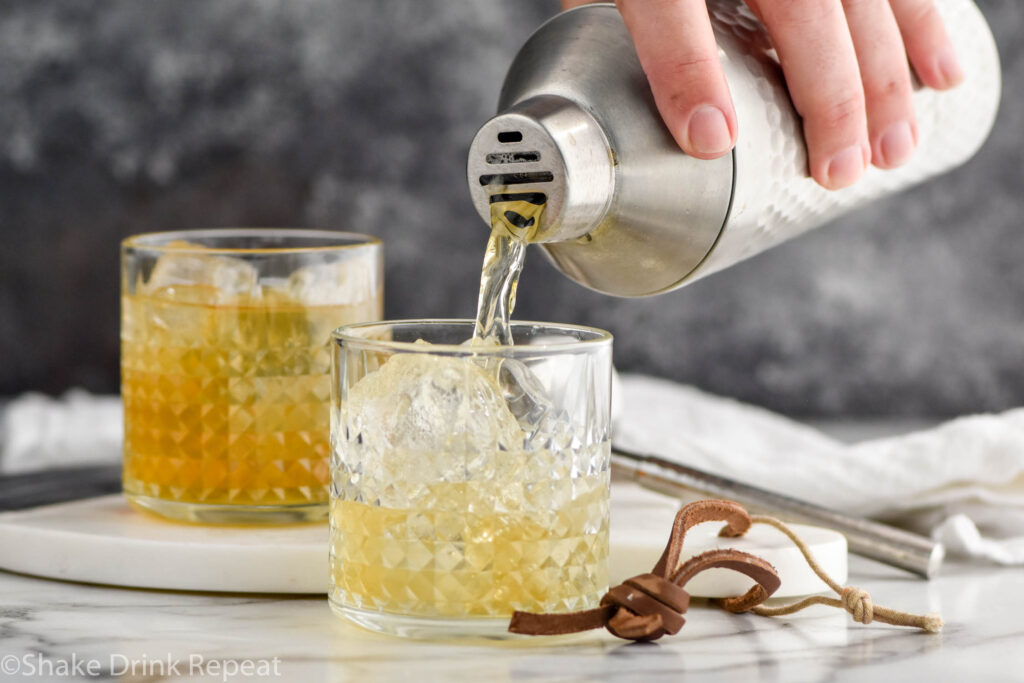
[(696, 513), (767, 580)]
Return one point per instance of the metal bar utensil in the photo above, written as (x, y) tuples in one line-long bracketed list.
[(58, 485), (881, 542)]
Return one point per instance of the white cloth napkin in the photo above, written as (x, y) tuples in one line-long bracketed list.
[(79, 428), (961, 482)]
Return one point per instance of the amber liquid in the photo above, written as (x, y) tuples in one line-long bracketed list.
[(445, 558), (513, 223), (228, 404)]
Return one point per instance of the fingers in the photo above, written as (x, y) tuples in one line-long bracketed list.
[(818, 58), (928, 46), (677, 50), (846, 68), (888, 93), (569, 4)]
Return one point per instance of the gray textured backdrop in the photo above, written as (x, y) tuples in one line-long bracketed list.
[(124, 116)]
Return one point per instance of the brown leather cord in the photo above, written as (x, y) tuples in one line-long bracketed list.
[(763, 573), (648, 606), (697, 513)]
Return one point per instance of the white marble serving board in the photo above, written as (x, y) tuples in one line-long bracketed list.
[(103, 540)]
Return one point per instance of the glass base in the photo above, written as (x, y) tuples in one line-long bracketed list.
[(203, 513), (427, 628)]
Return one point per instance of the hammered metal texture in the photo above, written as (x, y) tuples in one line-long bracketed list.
[(774, 197)]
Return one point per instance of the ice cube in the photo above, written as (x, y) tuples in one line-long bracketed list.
[(542, 421), (430, 404), (340, 283), (524, 394), (221, 279)]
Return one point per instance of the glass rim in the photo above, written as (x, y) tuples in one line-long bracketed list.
[(157, 241), (348, 335)]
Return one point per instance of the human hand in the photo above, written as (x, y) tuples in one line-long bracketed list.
[(846, 68)]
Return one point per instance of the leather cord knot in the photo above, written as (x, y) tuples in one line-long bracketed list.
[(649, 606), (858, 603)]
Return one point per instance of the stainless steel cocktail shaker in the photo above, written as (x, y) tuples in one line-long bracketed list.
[(627, 212)]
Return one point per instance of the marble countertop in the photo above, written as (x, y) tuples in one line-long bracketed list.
[(51, 627), (52, 630)]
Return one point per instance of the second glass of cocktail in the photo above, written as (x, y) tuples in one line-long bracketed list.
[(225, 367), (469, 478)]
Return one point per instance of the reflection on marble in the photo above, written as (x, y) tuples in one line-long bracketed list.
[(982, 607)]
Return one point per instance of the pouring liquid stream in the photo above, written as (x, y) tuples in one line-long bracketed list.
[(514, 221)]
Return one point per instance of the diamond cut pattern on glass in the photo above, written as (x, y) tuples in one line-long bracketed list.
[(228, 404)]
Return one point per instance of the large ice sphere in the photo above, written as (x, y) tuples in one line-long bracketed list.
[(346, 282), (184, 273), (426, 403)]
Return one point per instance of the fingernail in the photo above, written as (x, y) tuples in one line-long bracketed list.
[(949, 66), (708, 131), (846, 167), (897, 144)]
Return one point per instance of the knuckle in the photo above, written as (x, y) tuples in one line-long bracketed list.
[(920, 12), (680, 77), (798, 12), (685, 66), (856, 6), (890, 88), (839, 112)]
